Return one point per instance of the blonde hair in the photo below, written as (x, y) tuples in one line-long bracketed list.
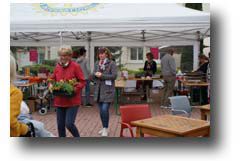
[(12, 69), (65, 49)]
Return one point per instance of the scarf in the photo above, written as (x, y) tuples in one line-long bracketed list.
[(64, 65), (102, 64)]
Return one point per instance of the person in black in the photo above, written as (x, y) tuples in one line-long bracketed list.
[(203, 60), (203, 67), (150, 68)]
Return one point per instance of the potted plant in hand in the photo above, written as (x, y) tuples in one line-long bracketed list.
[(63, 88)]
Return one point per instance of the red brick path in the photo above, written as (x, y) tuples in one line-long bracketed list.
[(88, 121)]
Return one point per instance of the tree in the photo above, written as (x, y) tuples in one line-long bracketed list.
[(196, 6)]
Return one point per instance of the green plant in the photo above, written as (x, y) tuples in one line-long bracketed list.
[(64, 88), (140, 71), (50, 62), (35, 69), (187, 59)]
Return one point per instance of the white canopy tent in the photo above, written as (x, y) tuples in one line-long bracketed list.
[(116, 24)]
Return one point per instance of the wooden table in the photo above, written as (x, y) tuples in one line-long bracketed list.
[(205, 111), (25, 85), (121, 84), (29, 86), (172, 126), (144, 78), (196, 84)]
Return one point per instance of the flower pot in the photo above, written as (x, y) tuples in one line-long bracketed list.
[(62, 93)]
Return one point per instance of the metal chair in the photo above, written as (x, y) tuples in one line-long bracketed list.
[(180, 105)]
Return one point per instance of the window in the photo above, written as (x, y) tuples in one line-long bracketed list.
[(41, 57), (136, 53)]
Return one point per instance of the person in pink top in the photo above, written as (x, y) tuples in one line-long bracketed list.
[(67, 107)]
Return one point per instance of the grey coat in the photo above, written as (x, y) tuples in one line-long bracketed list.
[(83, 62), (168, 65), (103, 92)]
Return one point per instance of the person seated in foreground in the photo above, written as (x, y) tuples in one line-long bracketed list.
[(25, 117)]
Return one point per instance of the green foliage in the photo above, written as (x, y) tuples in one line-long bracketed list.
[(187, 59), (65, 87), (34, 69), (140, 71), (196, 6), (50, 62)]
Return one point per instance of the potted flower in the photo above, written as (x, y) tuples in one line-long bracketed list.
[(62, 88)]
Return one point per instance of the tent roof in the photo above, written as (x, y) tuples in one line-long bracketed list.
[(41, 22), (99, 17)]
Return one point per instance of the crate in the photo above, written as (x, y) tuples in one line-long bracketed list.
[(31, 104)]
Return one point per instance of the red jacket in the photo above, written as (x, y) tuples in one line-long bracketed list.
[(73, 70)]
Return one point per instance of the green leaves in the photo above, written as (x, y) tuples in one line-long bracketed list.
[(64, 86)]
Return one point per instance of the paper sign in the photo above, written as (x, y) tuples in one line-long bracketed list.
[(154, 51)]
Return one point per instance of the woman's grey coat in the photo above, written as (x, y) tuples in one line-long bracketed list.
[(106, 91)]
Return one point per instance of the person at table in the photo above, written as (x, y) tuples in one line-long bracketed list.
[(16, 128), (83, 62), (203, 64), (168, 69), (209, 76), (104, 76), (203, 67), (26, 117), (67, 107), (150, 68)]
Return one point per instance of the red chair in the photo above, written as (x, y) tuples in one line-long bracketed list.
[(131, 113)]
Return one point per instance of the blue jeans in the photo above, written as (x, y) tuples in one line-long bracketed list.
[(104, 113), (66, 118), (87, 92)]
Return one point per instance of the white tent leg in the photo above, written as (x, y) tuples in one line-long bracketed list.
[(91, 56), (196, 51)]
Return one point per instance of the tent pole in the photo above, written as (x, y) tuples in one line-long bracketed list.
[(196, 51), (61, 38), (90, 55)]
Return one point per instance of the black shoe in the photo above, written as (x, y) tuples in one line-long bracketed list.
[(88, 105)]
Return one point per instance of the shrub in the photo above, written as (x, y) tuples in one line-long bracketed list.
[(50, 62), (35, 69)]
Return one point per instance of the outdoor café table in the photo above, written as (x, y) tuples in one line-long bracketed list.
[(120, 84), (147, 87), (205, 111), (172, 126), (195, 84), (30, 86)]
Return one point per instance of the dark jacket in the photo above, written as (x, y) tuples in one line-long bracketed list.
[(150, 68), (203, 68), (103, 92)]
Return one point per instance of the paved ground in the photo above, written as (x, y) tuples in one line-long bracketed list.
[(88, 121)]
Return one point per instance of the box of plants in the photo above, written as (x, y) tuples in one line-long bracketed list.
[(64, 88)]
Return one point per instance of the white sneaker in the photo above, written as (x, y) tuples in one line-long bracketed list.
[(100, 132), (105, 132), (163, 106), (51, 135)]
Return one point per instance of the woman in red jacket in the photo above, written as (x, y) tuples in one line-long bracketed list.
[(67, 107)]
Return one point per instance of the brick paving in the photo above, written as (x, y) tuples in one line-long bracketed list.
[(88, 120)]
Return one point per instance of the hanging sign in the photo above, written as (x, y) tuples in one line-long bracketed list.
[(155, 53), (33, 55)]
